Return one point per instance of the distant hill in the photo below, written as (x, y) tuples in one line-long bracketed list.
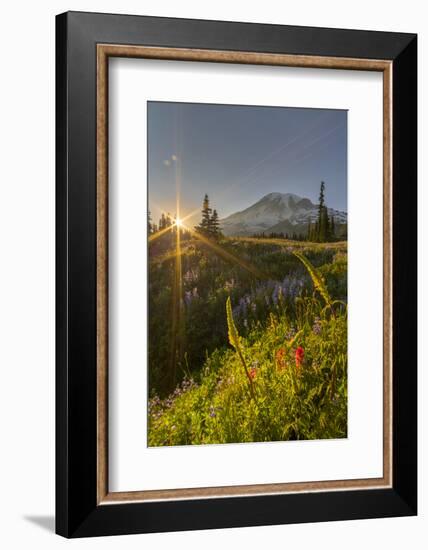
[(279, 213)]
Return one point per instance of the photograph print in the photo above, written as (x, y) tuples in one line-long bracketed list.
[(247, 274)]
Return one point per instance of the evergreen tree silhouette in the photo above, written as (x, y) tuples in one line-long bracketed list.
[(206, 224), (215, 224)]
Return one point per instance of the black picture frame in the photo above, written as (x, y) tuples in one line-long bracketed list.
[(77, 511)]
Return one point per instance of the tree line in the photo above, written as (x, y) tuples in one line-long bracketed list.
[(166, 221), (280, 235)]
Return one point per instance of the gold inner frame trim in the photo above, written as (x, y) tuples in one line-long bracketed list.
[(104, 51)]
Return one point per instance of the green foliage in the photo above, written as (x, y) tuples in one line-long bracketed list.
[(335, 276), (208, 279), (295, 355)]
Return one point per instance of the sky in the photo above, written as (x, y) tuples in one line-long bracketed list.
[(238, 154)]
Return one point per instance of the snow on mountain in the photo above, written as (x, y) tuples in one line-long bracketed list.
[(276, 212)]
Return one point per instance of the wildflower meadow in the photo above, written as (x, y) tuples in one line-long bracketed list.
[(248, 343)]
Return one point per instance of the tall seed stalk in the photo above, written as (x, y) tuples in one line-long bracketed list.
[(234, 341), (317, 279)]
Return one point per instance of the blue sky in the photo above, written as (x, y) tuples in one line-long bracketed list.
[(238, 154)]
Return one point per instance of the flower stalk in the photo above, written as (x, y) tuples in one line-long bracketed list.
[(234, 341)]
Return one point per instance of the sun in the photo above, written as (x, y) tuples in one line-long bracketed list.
[(178, 222)]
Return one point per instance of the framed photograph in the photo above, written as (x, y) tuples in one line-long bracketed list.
[(236, 274)]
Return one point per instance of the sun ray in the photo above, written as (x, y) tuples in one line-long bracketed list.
[(177, 324), (225, 254), (168, 256), (159, 233)]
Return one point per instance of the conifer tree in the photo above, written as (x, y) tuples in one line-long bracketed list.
[(309, 237), (206, 224), (321, 201), (316, 232), (215, 224), (322, 232), (321, 215), (162, 221), (324, 225)]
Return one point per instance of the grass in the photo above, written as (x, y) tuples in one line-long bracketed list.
[(337, 245)]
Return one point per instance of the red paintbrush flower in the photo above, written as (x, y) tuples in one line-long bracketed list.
[(253, 372), (300, 354)]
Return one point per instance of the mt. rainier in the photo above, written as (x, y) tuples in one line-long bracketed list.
[(277, 213)]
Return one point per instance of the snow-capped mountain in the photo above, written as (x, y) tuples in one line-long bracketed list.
[(277, 212)]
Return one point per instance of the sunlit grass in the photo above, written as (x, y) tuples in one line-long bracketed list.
[(339, 245)]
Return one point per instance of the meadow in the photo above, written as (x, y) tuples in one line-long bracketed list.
[(247, 340)]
